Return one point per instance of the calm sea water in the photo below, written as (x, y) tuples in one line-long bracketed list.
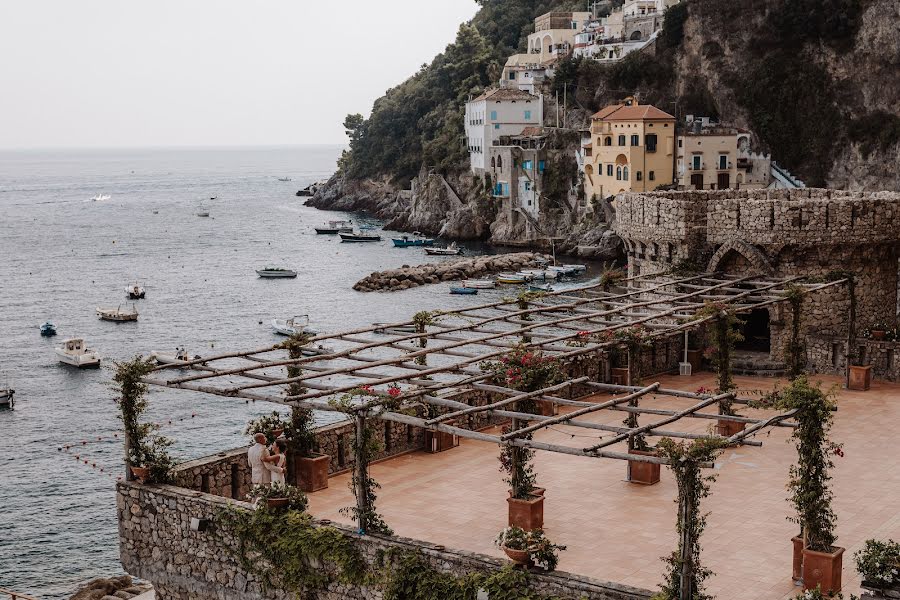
[(62, 255)]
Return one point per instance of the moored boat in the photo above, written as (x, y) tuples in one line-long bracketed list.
[(7, 397), (479, 284), (101, 197), (135, 292), (540, 288), (451, 250), (74, 352), (463, 291), (276, 273), (48, 329), (511, 278), (415, 240), (333, 227), (285, 179), (180, 356), (359, 236), (293, 326), (117, 314), (540, 274)]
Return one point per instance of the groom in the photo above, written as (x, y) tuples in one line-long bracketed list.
[(261, 462)]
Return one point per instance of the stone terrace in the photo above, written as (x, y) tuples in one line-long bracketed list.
[(616, 531)]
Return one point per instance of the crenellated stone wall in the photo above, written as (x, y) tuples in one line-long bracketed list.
[(158, 544)]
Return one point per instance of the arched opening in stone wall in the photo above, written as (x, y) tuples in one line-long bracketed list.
[(636, 35), (756, 331)]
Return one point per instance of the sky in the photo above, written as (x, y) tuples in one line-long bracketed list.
[(141, 73)]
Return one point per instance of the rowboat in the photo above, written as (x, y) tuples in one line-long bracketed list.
[(75, 353), (134, 292), (479, 284), (276, 273), (398, 329), (334, 227), (407, 241), (360, 237), (540, 288), (463, 291), (48, 329), (512, 278), (293, 326), (117, 314), (451, 250)]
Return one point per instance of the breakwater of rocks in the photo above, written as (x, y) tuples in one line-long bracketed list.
[(452, 270)]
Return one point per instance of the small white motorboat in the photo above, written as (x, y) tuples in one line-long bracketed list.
[(284, 179), (118, 315), (512, 278), (451, 250), (74, 352), (317, 350), (101, 197), (479, 284), (335, 227), (540, 274), (293, 326), (135, 292), (179, 357), (276, 273)]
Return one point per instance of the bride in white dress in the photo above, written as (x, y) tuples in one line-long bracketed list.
[(278, 451)]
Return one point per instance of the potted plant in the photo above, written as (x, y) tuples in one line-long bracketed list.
[(272, 426), (525, 501), (860, 375), (878, 331), (644, 473), (527, 548), (310, 467), (278, 496), (878, 564)]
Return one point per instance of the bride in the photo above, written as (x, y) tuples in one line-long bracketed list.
[(278, 453)]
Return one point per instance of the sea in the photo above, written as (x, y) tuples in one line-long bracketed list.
[(62, 255)]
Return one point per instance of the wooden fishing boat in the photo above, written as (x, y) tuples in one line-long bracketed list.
[(451, 250), (276, 273), (360, 237), (479, 284), (463, 291), (74, 352), (416, 240), (335, 227), (117, 315)]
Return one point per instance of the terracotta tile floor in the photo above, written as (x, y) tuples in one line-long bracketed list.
[(616, 531)]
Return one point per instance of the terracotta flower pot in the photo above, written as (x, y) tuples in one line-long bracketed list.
[(526, 514), (729, 428), (823, 569), (142, 473), (878, 334), (520, 557), (797, 563), (643, 472), (440, 441), (860, 378), (311, 472), (277, 502)]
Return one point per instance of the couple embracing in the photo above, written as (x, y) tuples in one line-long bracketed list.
[(267, 463)]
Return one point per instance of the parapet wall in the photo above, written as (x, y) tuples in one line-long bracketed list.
[(157, 544)]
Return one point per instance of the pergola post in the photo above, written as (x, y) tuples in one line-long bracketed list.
[(361, 475), (686, 515)]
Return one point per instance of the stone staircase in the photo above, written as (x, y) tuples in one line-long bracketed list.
[(756, 364)]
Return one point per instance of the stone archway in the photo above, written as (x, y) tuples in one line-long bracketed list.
[(636, 35), (739, 254)]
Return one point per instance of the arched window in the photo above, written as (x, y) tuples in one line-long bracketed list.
[(625, 173), (618, 173), (493, 163), (500, 162), (588, 170), (607, 141)]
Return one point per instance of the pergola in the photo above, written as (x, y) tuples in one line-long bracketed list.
[(434, 362)]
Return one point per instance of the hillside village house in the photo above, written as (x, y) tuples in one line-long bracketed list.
[(525, 72), (554, 34), (715, 157), (631, 149), (498, 112), (517, 166)]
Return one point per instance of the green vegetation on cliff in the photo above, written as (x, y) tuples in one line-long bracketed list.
[(421, 120)]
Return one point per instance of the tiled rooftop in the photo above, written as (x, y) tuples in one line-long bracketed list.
[(617, 531)]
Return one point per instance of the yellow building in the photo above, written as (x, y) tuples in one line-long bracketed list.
[(631, 150)]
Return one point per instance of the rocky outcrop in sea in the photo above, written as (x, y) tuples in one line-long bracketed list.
[(113, 588)]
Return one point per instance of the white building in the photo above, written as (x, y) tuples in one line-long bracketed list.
[(499, 112), (525, 72)]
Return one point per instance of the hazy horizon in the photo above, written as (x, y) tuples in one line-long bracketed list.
[(103, 74)]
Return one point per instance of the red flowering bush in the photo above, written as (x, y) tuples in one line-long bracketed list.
[(523, 369)]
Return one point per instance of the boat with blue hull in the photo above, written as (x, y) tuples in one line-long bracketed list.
[(416, 240)]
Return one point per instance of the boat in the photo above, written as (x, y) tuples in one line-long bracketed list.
[(48, 329), (463, 291), (479, 284), (101, 197), (451, 250), (276, 273), (203, 213), (512, 278), (396, 330), (7, 397), (180, 356), (561, 270), (576, 269), (540, 288), (540, 274), (293, 326), (135, 292), (416, 240), (284, 179), (333, 227), (74, 352), (358, 236), (117, 314)]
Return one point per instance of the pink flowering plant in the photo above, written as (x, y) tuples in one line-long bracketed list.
[(523, 369)]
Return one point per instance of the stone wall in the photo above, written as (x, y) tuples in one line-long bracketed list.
[(157, 544), (828, 354)]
